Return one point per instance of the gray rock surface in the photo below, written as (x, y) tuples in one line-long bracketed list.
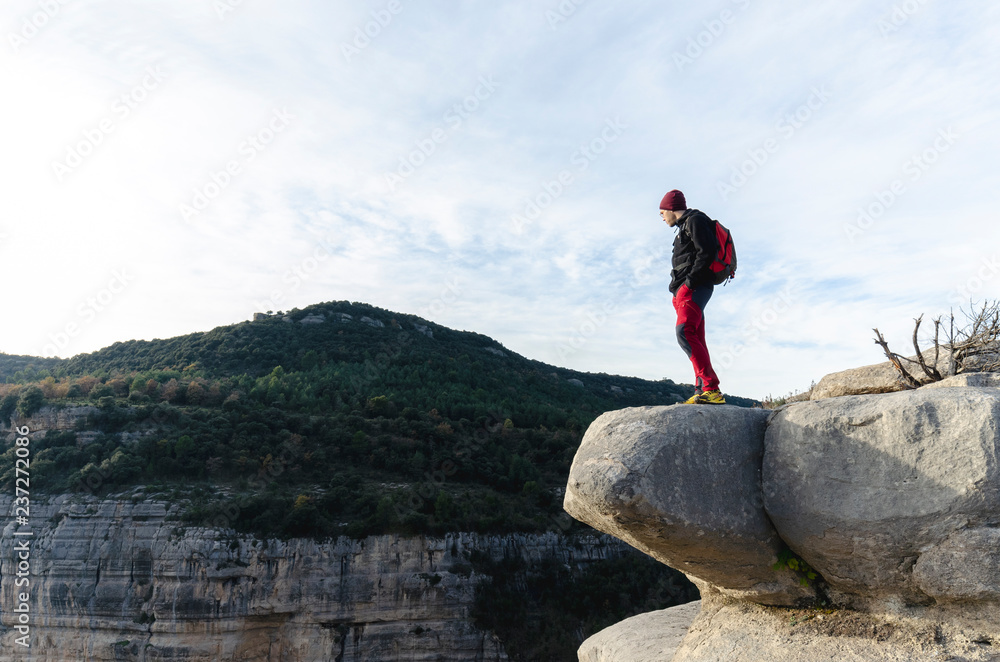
[(877, 378), (968, 379), (861, 487), (50, 419), (106, 571), (894, 498), (964, 567), (682, 484), (60, 419), (737, 631), (651, 637)]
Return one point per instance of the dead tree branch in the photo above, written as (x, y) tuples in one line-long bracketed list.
[(908, 379), (931, 372), (973, 348), (977, 347)]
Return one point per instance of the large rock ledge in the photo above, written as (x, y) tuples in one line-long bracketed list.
[(894, 499), (683, 485)]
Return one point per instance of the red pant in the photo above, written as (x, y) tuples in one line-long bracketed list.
[(690, 306)]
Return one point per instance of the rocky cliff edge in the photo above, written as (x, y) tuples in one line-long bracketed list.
[(881, 514)]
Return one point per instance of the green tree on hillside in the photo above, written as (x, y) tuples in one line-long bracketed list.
[(30, 401)]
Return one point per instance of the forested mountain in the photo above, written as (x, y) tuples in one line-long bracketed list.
[(348, 420), (341, 418)]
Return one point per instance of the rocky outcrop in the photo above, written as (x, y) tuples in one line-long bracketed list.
[(652, 637), (62, 419), (878, 378), (892, 499), (976, 379), (683, 484), (862, 487), (123, 579), (50, 419)]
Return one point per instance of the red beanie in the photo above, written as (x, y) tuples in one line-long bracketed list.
[(673, 201)]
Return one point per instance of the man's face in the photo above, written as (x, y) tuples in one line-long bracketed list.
[(669, 216)]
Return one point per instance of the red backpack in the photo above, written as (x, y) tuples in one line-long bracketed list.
[(723, 267)]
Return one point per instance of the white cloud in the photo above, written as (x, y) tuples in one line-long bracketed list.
[(322, 182)]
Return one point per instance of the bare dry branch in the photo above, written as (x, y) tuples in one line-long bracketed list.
[(937, 345), (931, 372), (907, 378), (974, 347), (953, 364)]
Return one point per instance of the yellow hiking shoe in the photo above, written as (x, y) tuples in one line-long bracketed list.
[(711, 398), (694, 399)]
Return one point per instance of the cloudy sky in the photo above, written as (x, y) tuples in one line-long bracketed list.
[(175, 165)]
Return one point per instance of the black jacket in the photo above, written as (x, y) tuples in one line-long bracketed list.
[(695, 246)]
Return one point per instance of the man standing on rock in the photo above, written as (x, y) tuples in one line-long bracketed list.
[(691, 283)]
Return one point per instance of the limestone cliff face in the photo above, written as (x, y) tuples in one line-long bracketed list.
[(122, 580), (50, 418), (57, 419)]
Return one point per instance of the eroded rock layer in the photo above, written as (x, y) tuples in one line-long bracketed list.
[(122, 580)]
